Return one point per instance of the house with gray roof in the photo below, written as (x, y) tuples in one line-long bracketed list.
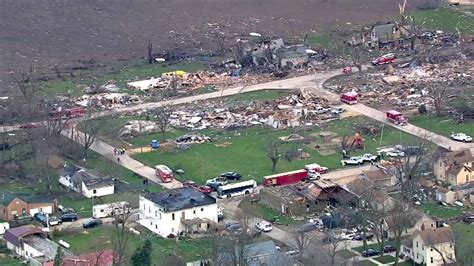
[(177, 210), (32, 244), (86, 182)]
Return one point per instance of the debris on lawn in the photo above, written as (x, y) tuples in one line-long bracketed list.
[(134, 128), (192, 139)]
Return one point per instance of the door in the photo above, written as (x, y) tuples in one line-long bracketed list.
[(183, 215), (23, 211)]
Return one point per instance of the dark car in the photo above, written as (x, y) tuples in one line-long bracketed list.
[(468, 219), (69, 217), (40, 217), (389, 248), (360, 237), (370, 252), (234, 228), (91, 223), (231, 175)]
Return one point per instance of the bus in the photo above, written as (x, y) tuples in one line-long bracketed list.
[(236, 189)]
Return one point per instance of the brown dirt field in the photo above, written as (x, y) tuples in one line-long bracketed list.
[(49, 32)]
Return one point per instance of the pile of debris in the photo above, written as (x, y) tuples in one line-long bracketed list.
[(301, 108), (134, 128), (107, 100), (192, 139)]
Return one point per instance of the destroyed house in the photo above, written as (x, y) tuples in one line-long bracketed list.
[(389, 34), (177, 210), (379, 178), (303, 198)]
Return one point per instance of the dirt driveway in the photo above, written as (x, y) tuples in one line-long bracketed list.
[(45, 33)]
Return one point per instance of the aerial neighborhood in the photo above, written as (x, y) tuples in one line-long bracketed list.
[(277, 133)]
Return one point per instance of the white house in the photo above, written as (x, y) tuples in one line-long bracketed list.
[(430, 245), (85, 182), (97, 187), (177, 210)]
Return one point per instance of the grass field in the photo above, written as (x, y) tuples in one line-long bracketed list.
[(261, 211), (464, 243), (442, 125), (100, 238), (385, 259), (121, 76), (446, 19), (374, 246), (346, 254), (439, 211), (365, 263), (242, 151)]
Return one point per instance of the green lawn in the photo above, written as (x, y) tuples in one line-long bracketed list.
[(442, 125), (259, 210), (242, 151), (131, 72), (346, 254), (100, 238), (365, 263), (464, 243), (439, 211), (374, 246), (6, 260), (446, 19), (385, 259)]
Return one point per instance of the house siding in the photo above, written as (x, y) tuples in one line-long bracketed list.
[(103, 191), (20, 208), (423, 254), (163, 224)]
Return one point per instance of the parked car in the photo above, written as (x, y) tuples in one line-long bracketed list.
[(461, 137), (40, 217), (69, 217), (264, 226), (389, 248), (91, 223), (337, 110), (370, 252), (63, 209), (215, 183), (347, 70), (395, 153), (231, 175), (322, 110), (360, 237), (353, 161), (369, 157), (203, 189), (468, 219), (234, 228)]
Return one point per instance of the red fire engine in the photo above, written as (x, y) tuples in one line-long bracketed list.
[(397, 118), (68, 113), (349, 97), (285, 178), (164, 172)]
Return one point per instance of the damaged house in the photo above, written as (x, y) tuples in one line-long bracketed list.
[(454, 167), (390, 34), (303, 198), (86, 182)]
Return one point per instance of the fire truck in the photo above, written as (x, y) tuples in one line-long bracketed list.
[(67, 113), (396, 117), (349, 97), (285, 178), (164, 172)]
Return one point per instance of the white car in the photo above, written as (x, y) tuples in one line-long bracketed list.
[(313, 175), (337, 110), (353, 161), (369, 157), (264, 226), (322, 110), (461, 137), (395, 153)]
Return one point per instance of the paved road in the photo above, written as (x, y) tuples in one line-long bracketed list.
[(135, 166)]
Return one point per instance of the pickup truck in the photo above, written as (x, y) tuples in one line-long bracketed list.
[(369, 157), (353, 161), (461, 137)]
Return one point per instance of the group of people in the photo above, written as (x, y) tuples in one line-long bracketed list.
[(119, 152)]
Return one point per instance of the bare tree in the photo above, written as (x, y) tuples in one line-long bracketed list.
[(302, 239), (272, 151), (120, 234), (401, 219), (150, 52), (30, 96), (408, 170), (356, 54), (437, 92), (162, 115), (88, 132)]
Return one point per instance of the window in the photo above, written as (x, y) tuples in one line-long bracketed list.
[(194, 211), (172, 218), (172, 229), (431, 259), (202, 209), (149, 209), (417, 246), (431, 249), (151, 223), (156, 226), (160, 216), (156, 213), (40, 209), (94, 191), (417, 255)]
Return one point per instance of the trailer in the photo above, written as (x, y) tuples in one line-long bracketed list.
[(349, 97), (110, 209), (285, 178), (396, 117)]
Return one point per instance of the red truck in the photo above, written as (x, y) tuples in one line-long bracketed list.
[(396, 117), (384, 59), (68, 113), (349, 97), (285, 178), (164, 172)]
